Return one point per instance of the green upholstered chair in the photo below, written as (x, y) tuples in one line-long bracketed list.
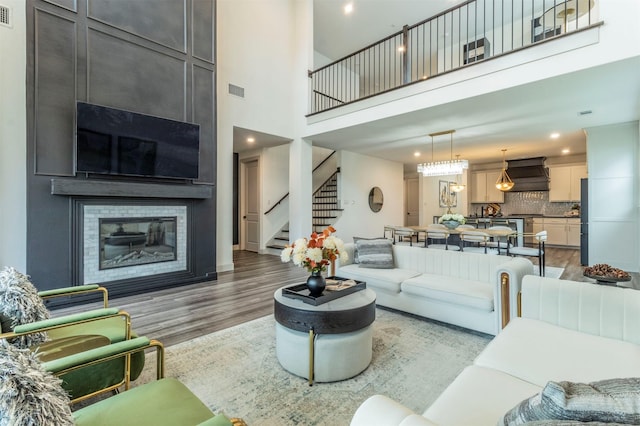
[(26, 323), (165, 401)]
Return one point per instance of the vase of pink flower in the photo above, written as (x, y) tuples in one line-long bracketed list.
[(315, 254)]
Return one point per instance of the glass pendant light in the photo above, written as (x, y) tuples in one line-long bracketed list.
[(504, 182), (456, 186)]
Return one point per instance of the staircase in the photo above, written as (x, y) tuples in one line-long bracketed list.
[(280, 240), (325, 204), (326, 209)]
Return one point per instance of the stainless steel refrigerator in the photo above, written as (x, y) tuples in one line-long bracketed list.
[(584, 222)]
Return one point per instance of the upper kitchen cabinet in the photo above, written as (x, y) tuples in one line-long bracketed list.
[(483, 187), (565, 182)]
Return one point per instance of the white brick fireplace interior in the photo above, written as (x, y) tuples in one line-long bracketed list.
[(93, 249)]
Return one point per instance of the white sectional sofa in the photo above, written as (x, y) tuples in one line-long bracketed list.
[(569, 331), (471, 290)]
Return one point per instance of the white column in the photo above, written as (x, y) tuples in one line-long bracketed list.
[(300, 189), (300, 153)]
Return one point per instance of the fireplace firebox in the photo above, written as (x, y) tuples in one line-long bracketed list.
[(125, 241), (129, 241)]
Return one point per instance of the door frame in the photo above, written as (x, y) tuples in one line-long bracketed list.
[(242, 211)]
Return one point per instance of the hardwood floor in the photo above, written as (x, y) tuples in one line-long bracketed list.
[(179, 314), (183, 313)]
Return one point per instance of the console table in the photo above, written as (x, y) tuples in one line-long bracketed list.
[(328, 342)]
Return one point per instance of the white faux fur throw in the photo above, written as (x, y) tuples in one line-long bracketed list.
[(30, 395), (20, 304)]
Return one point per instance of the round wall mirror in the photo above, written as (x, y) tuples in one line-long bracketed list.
[(375, 199)]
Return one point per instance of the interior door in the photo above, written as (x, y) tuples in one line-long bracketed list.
[(251, 216), (411, 202)]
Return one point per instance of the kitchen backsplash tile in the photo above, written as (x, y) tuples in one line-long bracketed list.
[(532, 202)]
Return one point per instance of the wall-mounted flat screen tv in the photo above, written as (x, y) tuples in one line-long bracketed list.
[(118, 142)]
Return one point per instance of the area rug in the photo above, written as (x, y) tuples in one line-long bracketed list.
[(235, 371)]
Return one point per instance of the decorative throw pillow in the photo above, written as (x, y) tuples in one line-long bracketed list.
[(608, 401), (376, 253), (20, 304), (356, 259), (30, 394)]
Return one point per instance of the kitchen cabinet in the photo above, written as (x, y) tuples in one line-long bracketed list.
[(573, 232), (564, 182), (538, 225), (560, 231), (483, 187)]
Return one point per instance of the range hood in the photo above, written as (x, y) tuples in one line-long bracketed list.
[(529, 174)]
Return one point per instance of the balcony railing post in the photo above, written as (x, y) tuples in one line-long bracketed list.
[(406, 69)]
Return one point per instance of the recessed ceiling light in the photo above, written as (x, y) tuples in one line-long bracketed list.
[(416, 154), (566, 151), (250, 140), (348, 8), (554, 135)]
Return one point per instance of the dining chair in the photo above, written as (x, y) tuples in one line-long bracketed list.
[(439, 232), (466, 226), (479, 241), (499, 242), (538, 251), (390, 231), (403, 234)]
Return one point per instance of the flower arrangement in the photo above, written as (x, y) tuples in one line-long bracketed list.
[(317, 252), (452, 216)]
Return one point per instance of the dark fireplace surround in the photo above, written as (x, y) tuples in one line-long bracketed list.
[(143, 199)]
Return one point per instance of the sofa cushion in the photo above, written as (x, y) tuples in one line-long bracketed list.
[(478, 396), (376, 253), (387, 280), (607, 401), (587, 358), (475, 294)]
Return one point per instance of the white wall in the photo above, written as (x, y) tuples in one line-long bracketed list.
[(430, 191), (614, 202), (13, 139), (257, 46), (275, 171), (358, 174)]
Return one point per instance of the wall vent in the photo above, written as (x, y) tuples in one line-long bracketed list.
[(5, 16), (236, 90)]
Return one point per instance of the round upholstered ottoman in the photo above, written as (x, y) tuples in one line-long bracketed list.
[(327, 342)]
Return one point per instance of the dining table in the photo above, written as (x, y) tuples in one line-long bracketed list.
[(492, 233)]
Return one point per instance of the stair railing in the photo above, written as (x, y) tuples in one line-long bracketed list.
[(284, 197)]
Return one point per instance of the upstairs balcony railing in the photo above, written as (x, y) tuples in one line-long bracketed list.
[(473, 31)]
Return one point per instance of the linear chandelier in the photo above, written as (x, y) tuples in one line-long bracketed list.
[(443, 168)]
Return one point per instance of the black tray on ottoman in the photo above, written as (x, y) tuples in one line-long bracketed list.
[(300, 291)]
